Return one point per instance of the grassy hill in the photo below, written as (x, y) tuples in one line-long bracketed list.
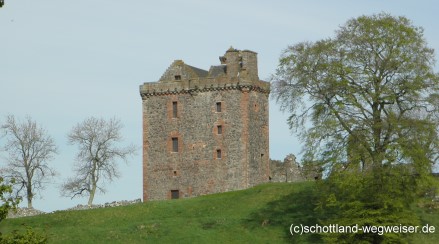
[(261, 214)]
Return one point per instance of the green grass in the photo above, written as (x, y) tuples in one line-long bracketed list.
[(261, 214)]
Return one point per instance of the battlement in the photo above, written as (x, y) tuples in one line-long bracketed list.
[(194, 86)]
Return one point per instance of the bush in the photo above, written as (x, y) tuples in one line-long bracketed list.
[(28, 237)]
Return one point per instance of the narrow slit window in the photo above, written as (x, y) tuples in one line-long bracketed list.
[(174, 109), (219, 129), (218, 154), (174, 144), (218, 107)]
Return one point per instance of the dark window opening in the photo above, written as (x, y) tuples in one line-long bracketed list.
[(218, 154), (218, 106), (177, 77), (175, 172), (219, 129), (174, 144), (174, 109), (175, 194)]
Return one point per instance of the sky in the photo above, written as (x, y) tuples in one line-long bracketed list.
[(64, 61)]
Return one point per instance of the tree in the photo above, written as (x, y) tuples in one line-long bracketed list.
[(97, 157), (365, 103), (29, 149), (7, 202)]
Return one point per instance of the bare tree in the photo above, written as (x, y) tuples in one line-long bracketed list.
[(97, 157), (29, 149)]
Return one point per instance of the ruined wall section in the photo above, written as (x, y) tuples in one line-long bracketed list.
[(287, 170)]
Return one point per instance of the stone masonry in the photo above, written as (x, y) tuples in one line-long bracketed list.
[(287, 171), (290, 170), (205, 131)]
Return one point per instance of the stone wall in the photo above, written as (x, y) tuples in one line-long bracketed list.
[(27, 212), (286, 171), (289, 170)]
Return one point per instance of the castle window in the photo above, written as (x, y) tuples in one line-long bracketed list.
[(174, 109), (175, 172), (219, 129), (177, 77), (218, 154), (218, 107), (175, 194), (174, 144)]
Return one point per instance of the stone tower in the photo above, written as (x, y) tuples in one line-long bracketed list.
[(205, 131)]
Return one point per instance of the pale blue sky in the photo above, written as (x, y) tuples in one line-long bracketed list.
[(63, 61)]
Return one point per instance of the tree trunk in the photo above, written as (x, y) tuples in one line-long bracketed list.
[(92, 195), (29, 203), (29, 197), (93, 183)]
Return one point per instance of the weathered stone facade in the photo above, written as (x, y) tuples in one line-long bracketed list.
[(287, 171), (205, 131), (290, 170)]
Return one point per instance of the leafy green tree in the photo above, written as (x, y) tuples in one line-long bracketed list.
[(7, 202), (365, 104)]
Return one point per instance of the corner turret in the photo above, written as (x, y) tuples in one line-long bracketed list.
[(239, 63)]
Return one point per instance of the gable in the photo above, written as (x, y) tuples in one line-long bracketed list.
[(178, 70)]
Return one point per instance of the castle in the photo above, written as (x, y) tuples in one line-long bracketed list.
[(205, 131)]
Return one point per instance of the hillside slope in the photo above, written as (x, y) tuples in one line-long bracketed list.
[(262, 214)]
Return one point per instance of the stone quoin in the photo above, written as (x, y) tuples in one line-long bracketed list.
[(205, 131)]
